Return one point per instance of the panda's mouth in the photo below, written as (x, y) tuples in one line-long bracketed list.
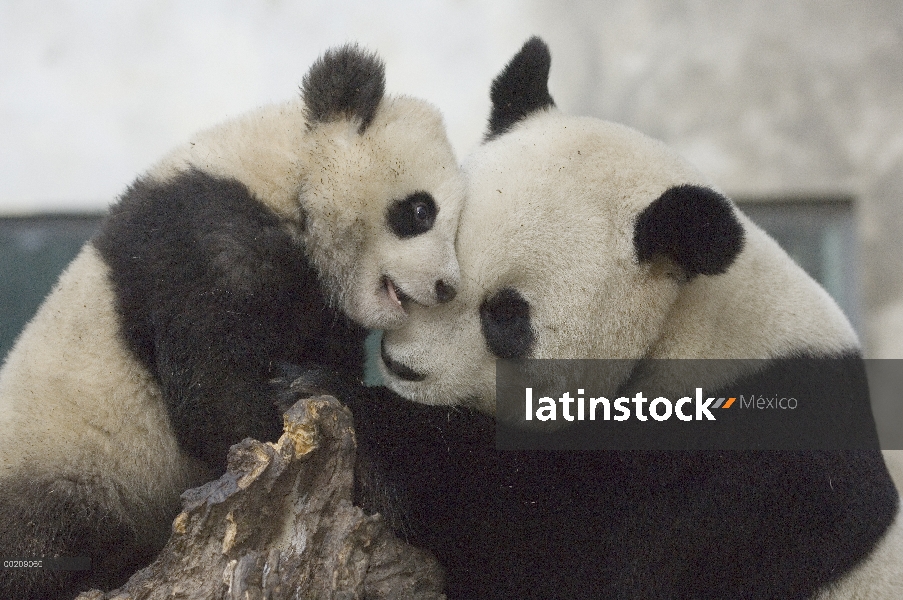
[(395, 293), (401, 371)]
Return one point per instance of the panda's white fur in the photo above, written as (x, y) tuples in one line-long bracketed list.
[(552, 212), (71, 375), (346, 179), (220, 273), (575, 215)]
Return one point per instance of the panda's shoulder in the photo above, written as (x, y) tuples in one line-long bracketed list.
[(262, 148), (193, 217)]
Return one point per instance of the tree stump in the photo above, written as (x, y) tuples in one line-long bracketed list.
[(280, 523)]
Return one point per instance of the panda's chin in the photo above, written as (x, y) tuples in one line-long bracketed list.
[(381, 305), (384, 316), (433, 392), (397, 369)]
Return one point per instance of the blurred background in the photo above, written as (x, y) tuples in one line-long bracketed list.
[(792, 107)]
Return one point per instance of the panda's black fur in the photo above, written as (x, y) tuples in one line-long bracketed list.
[(227, 266), (657, 525), (351, 87), (529, 72), (707, 239), (215, 296), (617, 524)]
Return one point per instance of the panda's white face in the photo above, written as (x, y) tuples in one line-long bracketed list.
[(548, 260), (586, 239), (381, 211)]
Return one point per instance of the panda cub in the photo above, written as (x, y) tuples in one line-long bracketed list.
[(264, 246), (582, 238)]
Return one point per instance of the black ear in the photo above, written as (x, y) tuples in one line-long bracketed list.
[(346, 82), (693, 226), (521, 88)]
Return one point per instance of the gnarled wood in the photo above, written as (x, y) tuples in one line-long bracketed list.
[(280, 524)]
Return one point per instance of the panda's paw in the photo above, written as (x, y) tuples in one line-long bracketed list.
[(293, 382)]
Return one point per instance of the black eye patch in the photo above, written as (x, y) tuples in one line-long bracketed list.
[(505, 318), (413, 215)]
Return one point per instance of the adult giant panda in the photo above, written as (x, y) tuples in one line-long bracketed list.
[(585, 239), (233, 261)]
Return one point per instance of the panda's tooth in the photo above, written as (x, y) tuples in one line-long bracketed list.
[(390, 288)]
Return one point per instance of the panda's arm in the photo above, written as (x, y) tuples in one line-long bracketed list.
[(503, 524), (213, 293)]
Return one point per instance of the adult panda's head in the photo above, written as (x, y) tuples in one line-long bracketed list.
[(586, 239), (381, 194)]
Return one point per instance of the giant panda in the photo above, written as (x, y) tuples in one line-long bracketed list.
[(582, 238), (265, 244)]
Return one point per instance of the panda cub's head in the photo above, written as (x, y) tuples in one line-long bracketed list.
[(582, 238), (381, 192)]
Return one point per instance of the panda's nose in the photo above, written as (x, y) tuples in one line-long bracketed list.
[(444, 292)]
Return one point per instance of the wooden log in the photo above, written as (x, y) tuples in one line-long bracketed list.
[(280, 523)]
